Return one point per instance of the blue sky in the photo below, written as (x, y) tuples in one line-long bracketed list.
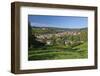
[(58, 21)]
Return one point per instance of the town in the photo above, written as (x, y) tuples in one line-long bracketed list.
[(47, 38)]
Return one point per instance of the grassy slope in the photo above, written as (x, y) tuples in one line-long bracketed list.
[(51, 53)]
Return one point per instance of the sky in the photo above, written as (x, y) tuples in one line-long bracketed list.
[(58, 21)]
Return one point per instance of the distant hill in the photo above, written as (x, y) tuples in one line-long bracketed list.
[(61, 29), (84, 29)]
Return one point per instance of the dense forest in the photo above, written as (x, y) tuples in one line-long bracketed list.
[(49, 43)]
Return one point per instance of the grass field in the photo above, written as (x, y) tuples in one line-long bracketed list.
[(58, 52)]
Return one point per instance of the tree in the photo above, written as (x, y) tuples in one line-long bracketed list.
[(83, 36), (70, 37), (29, 35), (53, 38), (32, 42), (76, 38)]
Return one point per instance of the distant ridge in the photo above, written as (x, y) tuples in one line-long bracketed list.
[(62, 29)]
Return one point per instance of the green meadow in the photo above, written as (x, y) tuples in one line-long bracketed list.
[(59, 52)]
